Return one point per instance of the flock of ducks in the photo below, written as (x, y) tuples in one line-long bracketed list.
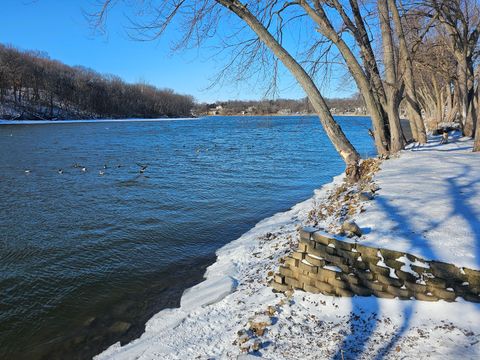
[(142, 169)]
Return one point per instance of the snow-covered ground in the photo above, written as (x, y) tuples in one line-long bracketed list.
[(428, 204)]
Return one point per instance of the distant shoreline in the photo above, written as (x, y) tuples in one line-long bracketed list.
[(35, 122)]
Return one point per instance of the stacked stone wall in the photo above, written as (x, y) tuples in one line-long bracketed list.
[(324, 264)]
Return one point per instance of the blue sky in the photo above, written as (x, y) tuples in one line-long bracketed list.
[(59, 28)]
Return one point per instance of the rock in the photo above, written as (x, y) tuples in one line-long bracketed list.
[(259, 323), (89, 321), (120, 327), (271, 310), (365, 196), (257, 344), (351, 228)]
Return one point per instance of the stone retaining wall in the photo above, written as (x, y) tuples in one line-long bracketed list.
[(324, 264)]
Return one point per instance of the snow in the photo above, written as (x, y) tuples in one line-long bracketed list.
[(427, 205), (43, 122)]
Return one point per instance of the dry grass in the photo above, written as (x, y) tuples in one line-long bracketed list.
[(343, 201)]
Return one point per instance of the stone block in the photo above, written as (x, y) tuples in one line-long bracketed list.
[(360, 265), (334, 259), (435, 283), (279, 287), (387, 280), (302, 247), (318, 252), (338, 283), (375, 286), (391, 254), (299, 255), (361, 290), (397, 265), (472, 276), (293, 282), (444, 294), (446, 271), (343, 292), (365, 276), (342, 245), (383, 294), (425, 297), (380, 270), (405, 276), (401, 293), (419, 269), (349, 256), (416, 288), (321, 238), (367, 251), (286, 271), (308, 267), (345, 268), (303, 243), (350, 278), (325, 274), (315, 260), (306, 280), (291, 262), (306, 233), (311, 289), (324, 287), (278, 278)]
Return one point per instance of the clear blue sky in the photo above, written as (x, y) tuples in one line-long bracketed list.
[(59, 28)]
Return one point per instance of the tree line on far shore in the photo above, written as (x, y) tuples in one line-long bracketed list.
[(353, 105), (33, 86)]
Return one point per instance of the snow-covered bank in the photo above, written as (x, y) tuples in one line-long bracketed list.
[(37, 122), (427, 204)]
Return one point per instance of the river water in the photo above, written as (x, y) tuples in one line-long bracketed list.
[(87, 257)]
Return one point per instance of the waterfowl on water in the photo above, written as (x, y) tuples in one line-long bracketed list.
[(101, 173), (84, 169), (27, 171), (60, 171), (142, 168)]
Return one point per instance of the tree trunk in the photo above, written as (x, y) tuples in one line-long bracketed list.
[(418, 126), (357, 72), (333, 130), (463, 93), (476, 143), (396, 142)]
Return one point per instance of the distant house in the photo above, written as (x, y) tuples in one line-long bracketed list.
[(217, 110)]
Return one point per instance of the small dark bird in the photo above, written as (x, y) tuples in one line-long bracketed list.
[(60, 171), (105, 166), (142, 168), (76, 165)]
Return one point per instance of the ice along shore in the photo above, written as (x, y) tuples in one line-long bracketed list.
[(427, 204)]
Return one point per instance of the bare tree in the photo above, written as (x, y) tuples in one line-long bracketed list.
[(259, 18), (406, 67), (461, 20)]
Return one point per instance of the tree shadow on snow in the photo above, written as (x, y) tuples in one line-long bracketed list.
[(460, 195), (363, 322)]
